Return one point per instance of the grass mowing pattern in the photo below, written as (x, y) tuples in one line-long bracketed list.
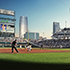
[(35, 61)]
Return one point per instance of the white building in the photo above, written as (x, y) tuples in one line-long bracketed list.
[(23, 26)]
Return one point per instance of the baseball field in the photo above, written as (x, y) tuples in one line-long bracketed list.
[(37, 59)]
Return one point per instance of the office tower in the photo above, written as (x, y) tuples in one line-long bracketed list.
[(31, 35), (23, 26), (56, 27)]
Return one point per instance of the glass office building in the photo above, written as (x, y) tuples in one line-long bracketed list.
[(23, 26), (31, 35), (56, 27)]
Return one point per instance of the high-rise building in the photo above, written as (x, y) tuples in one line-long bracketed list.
[(31, 35), (56, 27), (23, 26)]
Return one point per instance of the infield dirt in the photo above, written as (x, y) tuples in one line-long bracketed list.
[(33, 51)]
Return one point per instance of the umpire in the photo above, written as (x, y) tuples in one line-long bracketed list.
[(14, 43)]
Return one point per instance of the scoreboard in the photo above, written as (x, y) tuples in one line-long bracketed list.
[(7, 12), (7, 23), (6, 28)]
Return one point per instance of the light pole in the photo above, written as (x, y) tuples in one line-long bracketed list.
[(65, 24), (65, 27), (43, 36), (28, 37)]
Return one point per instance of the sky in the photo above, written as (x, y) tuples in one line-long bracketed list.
[(41, 14)]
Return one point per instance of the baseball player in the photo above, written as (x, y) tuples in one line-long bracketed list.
[(29, 48)]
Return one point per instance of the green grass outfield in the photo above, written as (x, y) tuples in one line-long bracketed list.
[(35, 61)]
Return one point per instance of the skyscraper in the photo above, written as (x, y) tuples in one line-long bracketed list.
[(56, 27), (23, 26)]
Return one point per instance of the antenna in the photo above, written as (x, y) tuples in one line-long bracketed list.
[(65, 24)]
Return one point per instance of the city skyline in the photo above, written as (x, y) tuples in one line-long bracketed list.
[(41, 14)]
